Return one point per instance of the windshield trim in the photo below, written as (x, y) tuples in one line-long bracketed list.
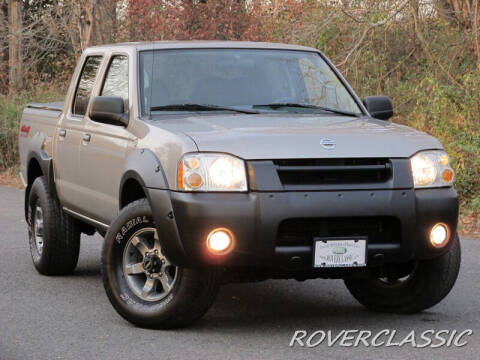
[(343, 81)]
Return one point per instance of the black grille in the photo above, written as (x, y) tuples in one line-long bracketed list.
[(301, 231), (332, 171)]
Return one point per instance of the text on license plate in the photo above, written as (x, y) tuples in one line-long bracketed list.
[(340, 253)]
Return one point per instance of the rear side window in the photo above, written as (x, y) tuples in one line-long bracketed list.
[(85, 85), (116, 80)]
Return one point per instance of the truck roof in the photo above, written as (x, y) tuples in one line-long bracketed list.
[(200, 44)]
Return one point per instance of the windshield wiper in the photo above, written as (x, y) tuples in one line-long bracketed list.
[(200, 107), (307, 106)]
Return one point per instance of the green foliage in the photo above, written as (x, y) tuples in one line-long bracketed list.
[(10, 113), (450, 113)]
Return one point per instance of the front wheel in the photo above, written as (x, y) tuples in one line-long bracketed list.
[(140, 281), (409, 288)]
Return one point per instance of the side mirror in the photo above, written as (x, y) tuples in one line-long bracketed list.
[(379, 107), (108, 110)]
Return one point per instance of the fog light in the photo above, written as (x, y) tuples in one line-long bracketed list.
[(220, 241), (439, 235)]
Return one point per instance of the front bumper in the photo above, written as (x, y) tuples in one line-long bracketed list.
[(256, 217)]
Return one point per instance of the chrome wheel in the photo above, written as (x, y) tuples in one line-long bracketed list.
[(38, 229), (148, 273)]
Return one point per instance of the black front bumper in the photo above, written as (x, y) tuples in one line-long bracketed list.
[(186, 219)]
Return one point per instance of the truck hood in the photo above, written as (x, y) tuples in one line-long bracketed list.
[(283, 136)]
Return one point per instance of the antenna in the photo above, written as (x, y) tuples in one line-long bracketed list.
[(151, 81)]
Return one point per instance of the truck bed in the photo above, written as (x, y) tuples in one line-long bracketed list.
[(37, 119), (52, 106)]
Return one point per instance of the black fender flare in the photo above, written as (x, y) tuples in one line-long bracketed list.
[(35, 151), (144, 166)]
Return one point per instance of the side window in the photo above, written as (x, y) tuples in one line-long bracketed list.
[(85, 85), (116, 80)]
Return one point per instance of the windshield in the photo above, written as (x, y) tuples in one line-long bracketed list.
[(241, 78)]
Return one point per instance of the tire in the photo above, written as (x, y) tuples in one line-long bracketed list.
[(54, 236), (158, 296), (428, 283)]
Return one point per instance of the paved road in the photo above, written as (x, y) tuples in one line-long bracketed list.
[(70, 317)]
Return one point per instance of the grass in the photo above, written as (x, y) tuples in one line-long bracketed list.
[(11, 178)]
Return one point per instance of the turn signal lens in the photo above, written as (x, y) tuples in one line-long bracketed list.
[(447, 175), (219, 241), (192, 163), (194, 180), (180, 177), (439, 235), (444, 160)]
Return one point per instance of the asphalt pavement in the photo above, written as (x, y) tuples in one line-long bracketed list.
[(70, 317)]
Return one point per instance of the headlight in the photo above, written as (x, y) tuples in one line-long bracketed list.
[(211, 172), (431, 169)]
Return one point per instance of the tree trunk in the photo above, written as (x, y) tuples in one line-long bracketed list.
[(86, 23), (3, 45), (106, 22), (460, 10), (15, 45)]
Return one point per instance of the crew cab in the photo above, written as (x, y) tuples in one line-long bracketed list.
[(203, 163)]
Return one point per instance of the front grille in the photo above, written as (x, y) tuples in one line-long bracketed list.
[(301, 231), (296, 172)]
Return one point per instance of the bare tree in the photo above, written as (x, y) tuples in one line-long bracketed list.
[(463, 13), (459, 11), (86, 21), (106, 22), (3, 43), (390, 14), (15, 45)]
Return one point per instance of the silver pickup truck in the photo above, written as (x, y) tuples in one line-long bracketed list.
[(203, 163)]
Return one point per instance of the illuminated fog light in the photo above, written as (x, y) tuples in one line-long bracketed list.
[(219, 241), (439, 235)]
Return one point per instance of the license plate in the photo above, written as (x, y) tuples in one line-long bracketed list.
[(340, 252)]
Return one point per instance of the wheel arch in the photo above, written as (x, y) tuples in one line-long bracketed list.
[(38, 163), (143, 177), (142, 171), (132, 188), (147, 168)]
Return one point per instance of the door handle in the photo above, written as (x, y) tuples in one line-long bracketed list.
[(62, 133), (87, 137)]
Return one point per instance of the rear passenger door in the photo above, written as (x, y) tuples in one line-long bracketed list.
[(104, 147), (69, 134)]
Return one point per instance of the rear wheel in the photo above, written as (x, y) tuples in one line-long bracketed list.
[(54, 236), (140, 281), (412, 287)]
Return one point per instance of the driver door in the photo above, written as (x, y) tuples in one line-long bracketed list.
[(69, 135)]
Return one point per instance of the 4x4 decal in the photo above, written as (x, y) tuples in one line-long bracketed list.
[(25, 130)]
